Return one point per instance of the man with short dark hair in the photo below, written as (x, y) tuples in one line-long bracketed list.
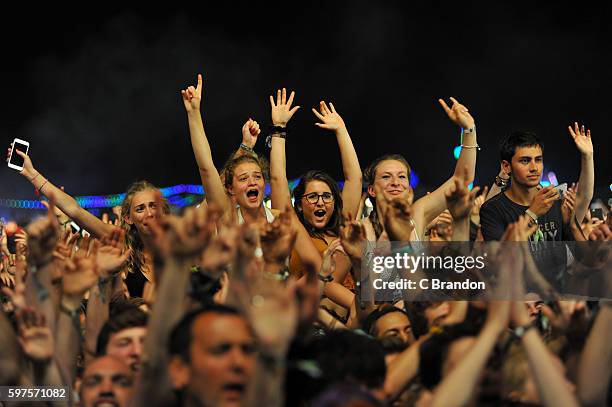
[(390, 322), (213, 357), (522, 156), (106, 381), (123, 336)]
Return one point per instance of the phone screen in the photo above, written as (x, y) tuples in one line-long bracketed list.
[(597, 213), (16, 158)]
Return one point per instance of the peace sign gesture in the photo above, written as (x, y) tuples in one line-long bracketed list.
[(582, 138), (193, 96), (458, 113)]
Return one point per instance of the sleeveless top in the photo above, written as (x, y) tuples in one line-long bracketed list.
[(269, 215)]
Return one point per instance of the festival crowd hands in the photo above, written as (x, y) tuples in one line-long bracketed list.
[(54, 272)]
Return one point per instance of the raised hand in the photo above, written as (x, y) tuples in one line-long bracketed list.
[(111, 252), (250, 132), (192, 97), (398, 220), (80, 272), (459, 199), (28, 169), (221, 250), (330, 119), (17, 293), (458, 113), (353, 237), (186, 236), (35, 337), (282, 111), (43, 236), (277, 238), (544, 200), (582, 138)]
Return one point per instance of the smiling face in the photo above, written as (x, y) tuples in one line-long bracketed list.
[(248, 185), (526, 166), (392, 180), (144, 208), (317, 203)]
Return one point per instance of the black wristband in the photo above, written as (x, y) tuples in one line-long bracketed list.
[(276, 131), (501, 182)]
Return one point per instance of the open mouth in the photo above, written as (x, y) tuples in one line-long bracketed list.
[(106, 403), (234, 389), (252, 194), (320, 213)]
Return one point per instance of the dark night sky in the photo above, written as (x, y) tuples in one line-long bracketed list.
[(98, 96)]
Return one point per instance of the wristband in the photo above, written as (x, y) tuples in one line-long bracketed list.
[(468, 131), (520, 331), (532, 215), (276, 131), (247, 148), (501, 182)]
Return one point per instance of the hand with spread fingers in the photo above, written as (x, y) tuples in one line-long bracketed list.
[(330, 119), (582, 138), (185, 236), (282, 111), (112, 253), (80, 272), (35, 337), (192, 97), (458, 113)]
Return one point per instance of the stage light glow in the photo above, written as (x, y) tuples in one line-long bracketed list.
[(457, 152), (414, 179)]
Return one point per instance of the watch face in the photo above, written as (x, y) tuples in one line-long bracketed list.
[(519, 331)]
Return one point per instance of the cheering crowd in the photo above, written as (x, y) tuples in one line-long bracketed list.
[(236, 303)]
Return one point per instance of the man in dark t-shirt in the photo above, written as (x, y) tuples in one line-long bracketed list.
[(522, 158)]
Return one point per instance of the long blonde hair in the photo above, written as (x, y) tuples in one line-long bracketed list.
[(132, 238)]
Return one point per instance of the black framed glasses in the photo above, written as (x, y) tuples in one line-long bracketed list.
[(313, 197)]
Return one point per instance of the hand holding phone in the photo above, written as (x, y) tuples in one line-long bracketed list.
[(562, 188), (15, 161), (597, 213)]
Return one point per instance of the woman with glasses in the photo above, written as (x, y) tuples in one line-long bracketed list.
[(318, 202)]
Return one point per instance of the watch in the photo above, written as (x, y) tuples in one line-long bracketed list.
[(532, 215), (520, 331)]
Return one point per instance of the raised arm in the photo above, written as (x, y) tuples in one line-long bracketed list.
[(430, 206), (351, 193), (65, 202), (584, 194), (596, 361), (250, 132), (281, 113), (213, 187)]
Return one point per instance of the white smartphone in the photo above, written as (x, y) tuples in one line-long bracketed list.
[(562, 189), (74, 227), (15, 161)]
